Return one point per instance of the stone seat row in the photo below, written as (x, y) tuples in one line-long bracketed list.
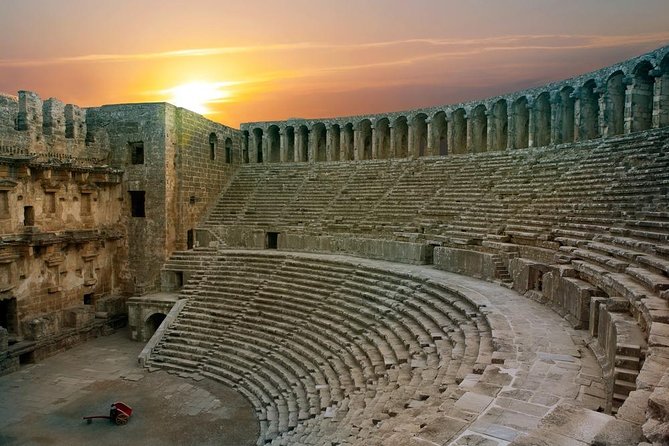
[(300, 346)]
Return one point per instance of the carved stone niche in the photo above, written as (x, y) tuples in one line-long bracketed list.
[(88, 255)]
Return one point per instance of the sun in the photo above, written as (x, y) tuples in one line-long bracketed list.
[(197, 95)]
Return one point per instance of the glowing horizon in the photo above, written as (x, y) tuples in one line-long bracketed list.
[(257, 61)]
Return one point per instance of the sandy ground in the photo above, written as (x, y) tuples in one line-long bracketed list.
[(43, 404)]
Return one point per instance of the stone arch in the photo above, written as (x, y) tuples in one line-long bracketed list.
[(459, 131), (439, 134), (318, 135), (589, 108), (542, 121), (641, 97), (302, 144), (213, 145), (479, 124), (401, 134), (382, 135), (257, 144), (565, 120), (419, 129), (364, 143), (500, 123), (348, 143), (335, 142), (152, 323), (289, 135), (273, 144), (245, 147), (521, 121), (614, 115)]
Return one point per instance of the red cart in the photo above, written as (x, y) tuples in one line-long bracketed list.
[(119, 413)]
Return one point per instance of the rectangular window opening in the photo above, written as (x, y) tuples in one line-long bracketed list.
[(88, 299), (50, 203), (86, 204), (137, 203), (272, 241), (4, 204), (137, 152), (28, 216), (8, 315)]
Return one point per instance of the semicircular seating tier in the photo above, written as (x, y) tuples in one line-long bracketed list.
[(582, 227), (309, 339), (341, 350)]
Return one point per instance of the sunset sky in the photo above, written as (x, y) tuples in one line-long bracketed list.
[(248, 60)]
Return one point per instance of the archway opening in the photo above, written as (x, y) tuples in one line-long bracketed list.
[(152, 323), (615, 104)]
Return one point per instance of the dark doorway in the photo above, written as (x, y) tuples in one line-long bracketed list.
[(178, 279), (272, 241), (152, 324), (8, 315), (29, 216), (27, 358), (190, 239), (88, 299), (137, 203)]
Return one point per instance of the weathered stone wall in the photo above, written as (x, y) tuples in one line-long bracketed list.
[(130, 127), (30, 125), (61, 229), (470, 263), (200, 169)]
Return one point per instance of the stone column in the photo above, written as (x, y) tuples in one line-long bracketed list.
[(356, 144), (531, 124), (392, 142), (429, 150), (283, 146), (342, 143), (629, 118), (556, 121), (511, 127), (253, 150), (297, 146), (375, 144), (660, 99), (470, 134), (450, 134), (578, 124), (328, 143), (265, 147), (604, 130), (491, 130), (411, 150), (311, 146)]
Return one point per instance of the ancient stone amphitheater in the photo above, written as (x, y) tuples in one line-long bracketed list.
[(323, 286), (487, 273)]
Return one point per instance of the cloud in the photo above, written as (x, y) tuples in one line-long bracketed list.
[(459, 47)]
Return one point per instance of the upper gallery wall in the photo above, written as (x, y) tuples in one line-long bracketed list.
[(624, 98)]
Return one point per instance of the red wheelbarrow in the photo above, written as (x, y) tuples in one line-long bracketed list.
[(119, 413)]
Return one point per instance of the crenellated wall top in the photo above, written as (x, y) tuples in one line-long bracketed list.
[(658, 59)]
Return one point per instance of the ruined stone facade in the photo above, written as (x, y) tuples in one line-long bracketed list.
[(92, 202)]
